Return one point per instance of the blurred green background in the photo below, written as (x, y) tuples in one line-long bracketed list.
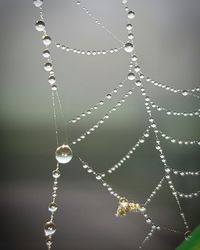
[(167, 42)]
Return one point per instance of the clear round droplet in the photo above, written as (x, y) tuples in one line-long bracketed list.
[(134, 58), (138, 83), (48, 66), (46, 40), (131, 76), (124, 1), (40, 26), (54, 87), (108, 96), (131, 14), (38, 3), (64, 154), (49, 242), (49, 228), (52, 80), (130, 36), (187, 235), (56, 173), (128, 47), (98, 177), (137, 68), (129, 26), (184, 92), (53, 207), (46, 53)]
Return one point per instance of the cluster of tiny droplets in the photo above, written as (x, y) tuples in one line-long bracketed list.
[(130, 152), (174, 113), (154, 192), (184, 173), (49, 227), (98, 104), (174, 140), (107, 97), (185, 92), (101, 121), (98, 22), (135, 74), (99, 177), (153, 228), (188, 195), (88, 52)]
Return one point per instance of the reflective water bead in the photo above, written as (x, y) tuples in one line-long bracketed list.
[(124, 1), (128, 47), (108, 96), (54, 87), (48, 66), (98, 177), (53, 207), (138, 83), (63, 154), (38, 3), (137, 68), (78, 2), (46, 53), (130, 36), (131, 76), (46, 40), (187, 235), (131, 14), (52, 79), (134, 58), (40, 26), (56, 173), (129, 26), (184, 92), (49, 242), (49, 228)]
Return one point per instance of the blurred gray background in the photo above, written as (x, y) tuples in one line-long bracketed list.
[(167, 41)]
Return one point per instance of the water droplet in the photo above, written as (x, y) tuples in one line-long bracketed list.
[(49, 242), (46, 40), (98, 177), (131, 76), (48, 66), (52, 80), (56, 173), (108, 96), (64, 154), (184, 92), (54, 87), (137, 68), (38, 3), (46, 53), (187, 235), (131, 14), (49, 228), (128, 47), (124, 1), (129, 26), (78, 2), (53, 207), (130, 36), (134, 58), (40, 25), (138, 83)]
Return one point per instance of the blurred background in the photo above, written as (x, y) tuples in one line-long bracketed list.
[(167, 42)]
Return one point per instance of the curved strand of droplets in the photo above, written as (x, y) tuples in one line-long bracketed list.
[(105, 117)]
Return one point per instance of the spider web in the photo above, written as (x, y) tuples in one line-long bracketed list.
[(140, 81)]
